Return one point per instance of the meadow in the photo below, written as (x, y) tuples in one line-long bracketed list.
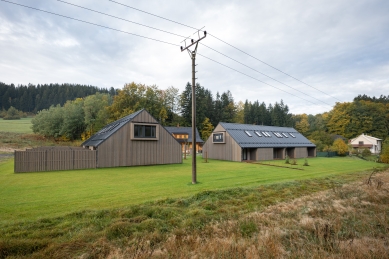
[(238, 210), (18, 126), (27, 196)]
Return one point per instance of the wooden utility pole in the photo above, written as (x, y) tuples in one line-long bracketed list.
[(192, 55)]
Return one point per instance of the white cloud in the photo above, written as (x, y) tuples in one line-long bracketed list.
[(339, 48)]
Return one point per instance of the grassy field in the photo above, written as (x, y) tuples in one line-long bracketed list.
[(18, 126), (29, 196), (333, 208)]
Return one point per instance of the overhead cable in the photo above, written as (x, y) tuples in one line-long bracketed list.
[(95, 24), (244, 52)]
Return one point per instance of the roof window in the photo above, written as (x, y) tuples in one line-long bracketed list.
[(248, 133), (293, 136), (284, 135), (258, 134)]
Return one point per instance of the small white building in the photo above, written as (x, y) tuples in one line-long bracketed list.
[(367, 142)]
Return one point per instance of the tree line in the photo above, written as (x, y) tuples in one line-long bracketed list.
[(83, 117), (33, 98)]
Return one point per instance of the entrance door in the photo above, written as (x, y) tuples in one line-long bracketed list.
[(244, 153)]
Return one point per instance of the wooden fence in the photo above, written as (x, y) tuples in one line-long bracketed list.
[(54, 159)]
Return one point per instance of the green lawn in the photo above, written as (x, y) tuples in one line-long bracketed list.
[(29, 196), (18, 126)]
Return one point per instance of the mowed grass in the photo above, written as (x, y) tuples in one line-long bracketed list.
[(30, 196), (18, 126)]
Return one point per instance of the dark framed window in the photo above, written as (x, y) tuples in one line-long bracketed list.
[(145, 131), (361, 143), (218, 137)]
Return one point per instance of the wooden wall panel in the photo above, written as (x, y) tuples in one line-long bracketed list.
[(120, 150), (54, 159), (264, 154), (230, 150), (301, 152)]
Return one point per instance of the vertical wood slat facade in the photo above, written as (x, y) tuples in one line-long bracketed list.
[(120, 150), (54, 159), (230, 150)]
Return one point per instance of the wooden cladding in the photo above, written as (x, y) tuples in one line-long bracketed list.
[(121, 149), (54, 159)]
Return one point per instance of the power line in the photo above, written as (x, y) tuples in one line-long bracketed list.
[(264, 74), (255, 78), (140, 24), (116, 17), (227, 44), (95, 24), (106, 27)]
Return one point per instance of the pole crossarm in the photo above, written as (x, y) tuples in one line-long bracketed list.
[(193, 42)]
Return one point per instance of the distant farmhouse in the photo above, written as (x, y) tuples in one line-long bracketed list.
[(239, 142), (184, 136), (364, 141)]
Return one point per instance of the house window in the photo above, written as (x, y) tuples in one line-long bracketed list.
[(285, 135), (361, 143), (248, 133), (258, 134), (144, 131), (218, 137), (293, 136)]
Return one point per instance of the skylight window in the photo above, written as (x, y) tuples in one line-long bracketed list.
[(293, 136), (284, 135), (258, 134), (248, 133), (278, 135)]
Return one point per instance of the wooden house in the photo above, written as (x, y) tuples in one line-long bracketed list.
[(184, 136), (239, 142), (137, 139)]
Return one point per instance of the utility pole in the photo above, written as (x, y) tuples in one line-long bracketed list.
[(192, 55)]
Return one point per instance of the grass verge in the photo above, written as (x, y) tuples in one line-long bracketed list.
[(29, 196), (329, 217)]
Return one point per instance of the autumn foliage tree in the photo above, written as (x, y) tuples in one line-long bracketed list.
[(340, 147)]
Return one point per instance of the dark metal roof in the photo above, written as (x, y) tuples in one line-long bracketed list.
[(108, 130), (185, 130), (238, 133)]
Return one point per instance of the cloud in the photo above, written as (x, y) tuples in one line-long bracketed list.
[(339, 48)]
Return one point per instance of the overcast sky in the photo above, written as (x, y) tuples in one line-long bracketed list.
[(338, 47)]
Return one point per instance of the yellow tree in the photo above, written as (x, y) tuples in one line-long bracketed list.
[(302, 126), (340, 147), (207, 129)]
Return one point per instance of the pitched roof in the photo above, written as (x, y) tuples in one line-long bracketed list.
[(185, 130), (372, 139), (108, 130), (279, 136)]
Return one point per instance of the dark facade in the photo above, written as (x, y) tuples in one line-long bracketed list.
[(239, 142)]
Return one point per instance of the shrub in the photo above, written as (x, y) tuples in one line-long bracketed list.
[(366, 152), (294, 162), (287, 160), (12, 114), (306, 162)]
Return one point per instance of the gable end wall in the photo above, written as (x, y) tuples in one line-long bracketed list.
[(120, 150)]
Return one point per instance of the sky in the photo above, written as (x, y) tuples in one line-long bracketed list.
[(328, 51)]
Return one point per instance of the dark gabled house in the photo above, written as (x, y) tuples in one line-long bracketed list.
[(184, 136), (239, 142), (137, 139)]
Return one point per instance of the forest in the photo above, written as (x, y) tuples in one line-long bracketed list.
[(71, 112)]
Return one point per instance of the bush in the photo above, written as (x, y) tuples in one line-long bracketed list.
[(305, 162), (12, 114), (287, 159), (366, 152)]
